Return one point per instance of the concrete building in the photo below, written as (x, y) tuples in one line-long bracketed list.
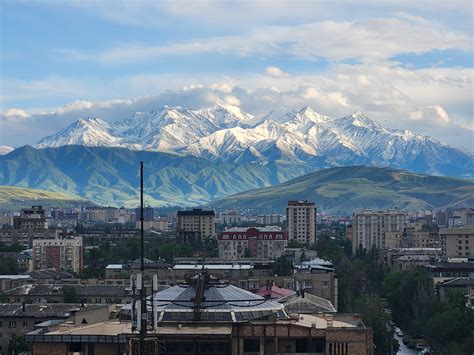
[(266, 242), (196, 224), (148, 214), (33, 218), (457, 242), (160, 224), (16, 319), (270, 219), (222, 320), (58, 253), (301, 221), (53, 293), (230, 218), (382, 229)]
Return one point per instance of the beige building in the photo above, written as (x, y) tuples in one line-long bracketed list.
[(457, 242), (58, 253), (196, 224), (160, 224), (301, 221), (382, 229)]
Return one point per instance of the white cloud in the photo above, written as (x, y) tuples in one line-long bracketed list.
[(14, 113), (275, 72), (370, 40)]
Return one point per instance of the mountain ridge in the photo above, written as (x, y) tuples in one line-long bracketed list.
[(346, 189), (228, 134)]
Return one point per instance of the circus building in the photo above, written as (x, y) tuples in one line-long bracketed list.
[(207, 316)]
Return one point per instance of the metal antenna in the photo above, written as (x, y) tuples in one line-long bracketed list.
[(143, 320)]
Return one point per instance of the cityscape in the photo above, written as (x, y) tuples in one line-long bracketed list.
[(207, 177)]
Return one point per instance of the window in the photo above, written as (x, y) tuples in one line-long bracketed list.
[(251, 345), (12, 324), (25, 323)]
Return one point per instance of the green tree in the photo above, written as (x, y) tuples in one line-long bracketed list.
[(283, 267), (374, 316), (8, 266), (70, 294)]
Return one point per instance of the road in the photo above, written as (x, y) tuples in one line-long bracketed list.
[(403, 348)]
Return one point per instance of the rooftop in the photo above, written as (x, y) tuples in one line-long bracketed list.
[(42, 310)]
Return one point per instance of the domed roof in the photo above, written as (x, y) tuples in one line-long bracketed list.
[(203, 298)]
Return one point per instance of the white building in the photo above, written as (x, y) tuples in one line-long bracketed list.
[(301, 221), (375, 228)]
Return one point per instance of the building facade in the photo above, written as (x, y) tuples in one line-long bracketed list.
[(33, 218), (301, 221), (457, 242), (382, 229), (58, 253), (267, 242), (196, 224)]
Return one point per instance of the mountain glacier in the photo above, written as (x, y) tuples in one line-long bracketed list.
[(227, 133)]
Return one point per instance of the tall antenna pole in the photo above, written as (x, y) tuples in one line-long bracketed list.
[(143, 305)]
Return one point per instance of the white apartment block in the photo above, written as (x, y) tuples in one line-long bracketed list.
[(197, 224), (377, 228), (58, 253), (301, 221)]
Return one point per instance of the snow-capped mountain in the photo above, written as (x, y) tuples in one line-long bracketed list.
[(5, 149), (226, 133)]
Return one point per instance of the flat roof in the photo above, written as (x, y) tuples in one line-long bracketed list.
[(213, 267)]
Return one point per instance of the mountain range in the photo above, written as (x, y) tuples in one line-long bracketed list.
[(225, 133), (109, 176), (346, 189)]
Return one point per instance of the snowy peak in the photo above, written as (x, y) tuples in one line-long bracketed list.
[(85, 131), (5, 149), (227, 133)]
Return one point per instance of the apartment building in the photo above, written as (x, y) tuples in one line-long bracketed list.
[(196, 224), (301, 221), (265, 242), (382, 229), (270, 219), (457, 242), (33, 218), (58, 253)]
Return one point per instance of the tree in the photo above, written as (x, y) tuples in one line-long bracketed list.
[(373, 314), (8, 266), (283, 267), (70, 294)]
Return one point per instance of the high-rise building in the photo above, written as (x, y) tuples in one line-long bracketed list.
[(301, 221), (58, 253), (382, 229), (148, 214), (196, 224), (33, 218)]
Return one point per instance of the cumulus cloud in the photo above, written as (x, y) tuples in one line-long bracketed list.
[(275, 72)]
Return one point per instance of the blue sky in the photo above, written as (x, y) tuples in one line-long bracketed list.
[(407, 64)]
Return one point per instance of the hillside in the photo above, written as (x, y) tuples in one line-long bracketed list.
[(346, 189), (110, 175), (14, 198)]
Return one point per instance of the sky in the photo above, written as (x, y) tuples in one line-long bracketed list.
[(405, 64)]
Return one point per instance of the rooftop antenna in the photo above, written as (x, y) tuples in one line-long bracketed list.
[(143, 306)]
